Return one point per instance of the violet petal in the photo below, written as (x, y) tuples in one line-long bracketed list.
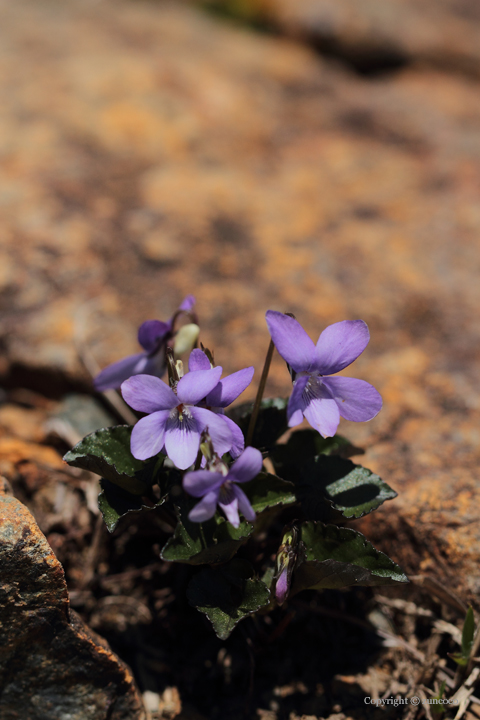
[(205, 509), (231, 511), (187, 303), (151, 332), (147, 393), (148, 435), (218, 429), (198, 361), (296, 403), (323, 415), (182, 440), (156, 364), (291, 340), (339, 345), (244, 504), (281, 587), (113, 375), (229, 388), (194, 386), (200, 482), (247, 466), (357, 400), (238, 441)]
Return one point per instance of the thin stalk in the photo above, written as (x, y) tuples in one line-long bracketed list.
[(260, 391), (198, 460)]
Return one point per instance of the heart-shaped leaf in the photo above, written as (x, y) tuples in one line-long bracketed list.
[(352, 490), (209, 543), (106, 452), (338, 557), (115, 503), (227, 595), (271, 421), (302, 447), (267, 490)]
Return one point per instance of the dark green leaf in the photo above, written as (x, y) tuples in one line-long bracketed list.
[(209, 543), (115, 503), (350, 489), (227, 595), (106, 452), (303, 447), (338, 557), (267, 490), (271, 421)]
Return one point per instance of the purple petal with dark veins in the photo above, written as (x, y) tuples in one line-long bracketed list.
[(247, 466), (323, 415), (151, 332), (244, 504), (198, 361), (182, 440), (187, 304), (218, 429), (147, 393), (200, 482), (205, 509), (339, 345), (357, 400), (238, 441), (230, 387), (148, 435), (113, 375), (291, 340), (296, 403), (194, 386)]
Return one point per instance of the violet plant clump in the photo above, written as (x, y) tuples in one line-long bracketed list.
[(232, 478)]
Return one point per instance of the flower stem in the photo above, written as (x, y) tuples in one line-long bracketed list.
[(202, 536), (258, 399), (198, 460)]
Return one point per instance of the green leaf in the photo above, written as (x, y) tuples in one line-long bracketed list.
[(106, 452), (329, 481), (338, 557), (267, 490), (227, 595), (458, 658), (468, 633), (208, 543), (115, 503), (438, 709), (303, 446), (271, 421)]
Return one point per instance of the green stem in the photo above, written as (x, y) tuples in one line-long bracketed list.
[(202, 536), (258, 399)]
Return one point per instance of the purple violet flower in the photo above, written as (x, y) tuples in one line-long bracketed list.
[(318, 397), (218, 488), (223, 394), (152, 336), (174, 421)]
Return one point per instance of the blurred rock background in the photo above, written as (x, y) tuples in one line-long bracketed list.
[(314, 156)]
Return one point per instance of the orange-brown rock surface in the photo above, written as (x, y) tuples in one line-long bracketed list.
[(375, 32), (51, 664), (149, 150)]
